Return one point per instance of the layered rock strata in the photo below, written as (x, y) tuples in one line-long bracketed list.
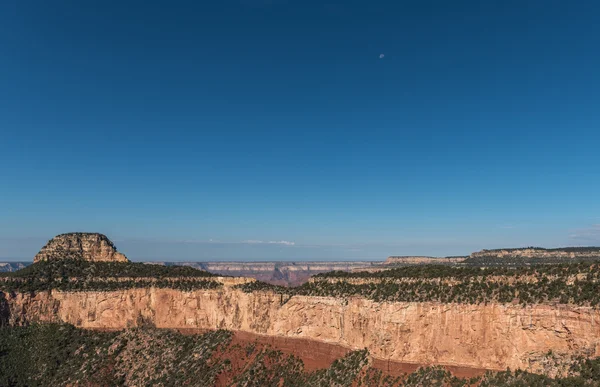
[(533, 252), (420, 260), (492, 336), (86, 246)]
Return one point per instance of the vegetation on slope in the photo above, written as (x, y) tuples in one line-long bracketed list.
[(444, 271), (515, 257), (77, 275), (61, 355), (577, 284), (273, 368), (583, 373)]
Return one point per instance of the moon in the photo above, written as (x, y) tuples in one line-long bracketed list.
[(381, 56)]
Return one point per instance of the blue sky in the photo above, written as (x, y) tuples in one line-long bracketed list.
[(196, 130)]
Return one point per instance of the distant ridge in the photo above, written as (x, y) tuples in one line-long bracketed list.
[(553, 249)]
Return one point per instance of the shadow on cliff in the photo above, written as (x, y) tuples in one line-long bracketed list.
[(4, 310)]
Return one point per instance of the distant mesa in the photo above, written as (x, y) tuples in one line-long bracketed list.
[(93, 247), (540, 252), (421, 260), (529, 255)]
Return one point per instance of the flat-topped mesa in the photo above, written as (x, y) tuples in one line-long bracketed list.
[(421, 260), (80, 245), (538, 252)]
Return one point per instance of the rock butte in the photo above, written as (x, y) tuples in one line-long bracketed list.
[(80, 245)]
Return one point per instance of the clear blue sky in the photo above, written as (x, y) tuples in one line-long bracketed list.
[(204, 130)]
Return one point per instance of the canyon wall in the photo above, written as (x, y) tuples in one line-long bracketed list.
[(277, 273), (493, 336)]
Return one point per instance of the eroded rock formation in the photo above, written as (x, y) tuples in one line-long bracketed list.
[(79, 245), (277, 273), (493, 336)]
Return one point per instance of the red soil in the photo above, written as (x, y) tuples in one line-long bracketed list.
[(314, 354), (318, 355)]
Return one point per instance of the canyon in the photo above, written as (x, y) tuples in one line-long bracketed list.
[(277, 273), (540, 337), (6, 267), (493, 336)]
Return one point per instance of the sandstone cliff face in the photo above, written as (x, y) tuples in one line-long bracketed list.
[(86, 246), (481, 336)]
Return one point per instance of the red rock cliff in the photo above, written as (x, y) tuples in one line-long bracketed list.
[(493, 336)]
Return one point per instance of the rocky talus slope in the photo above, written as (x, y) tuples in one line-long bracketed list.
[(86, 246)]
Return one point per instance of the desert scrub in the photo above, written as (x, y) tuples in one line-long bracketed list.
[(577, 284), (61, 355), (80, 275)]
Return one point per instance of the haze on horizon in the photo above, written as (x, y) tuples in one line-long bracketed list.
[(284, 130)]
